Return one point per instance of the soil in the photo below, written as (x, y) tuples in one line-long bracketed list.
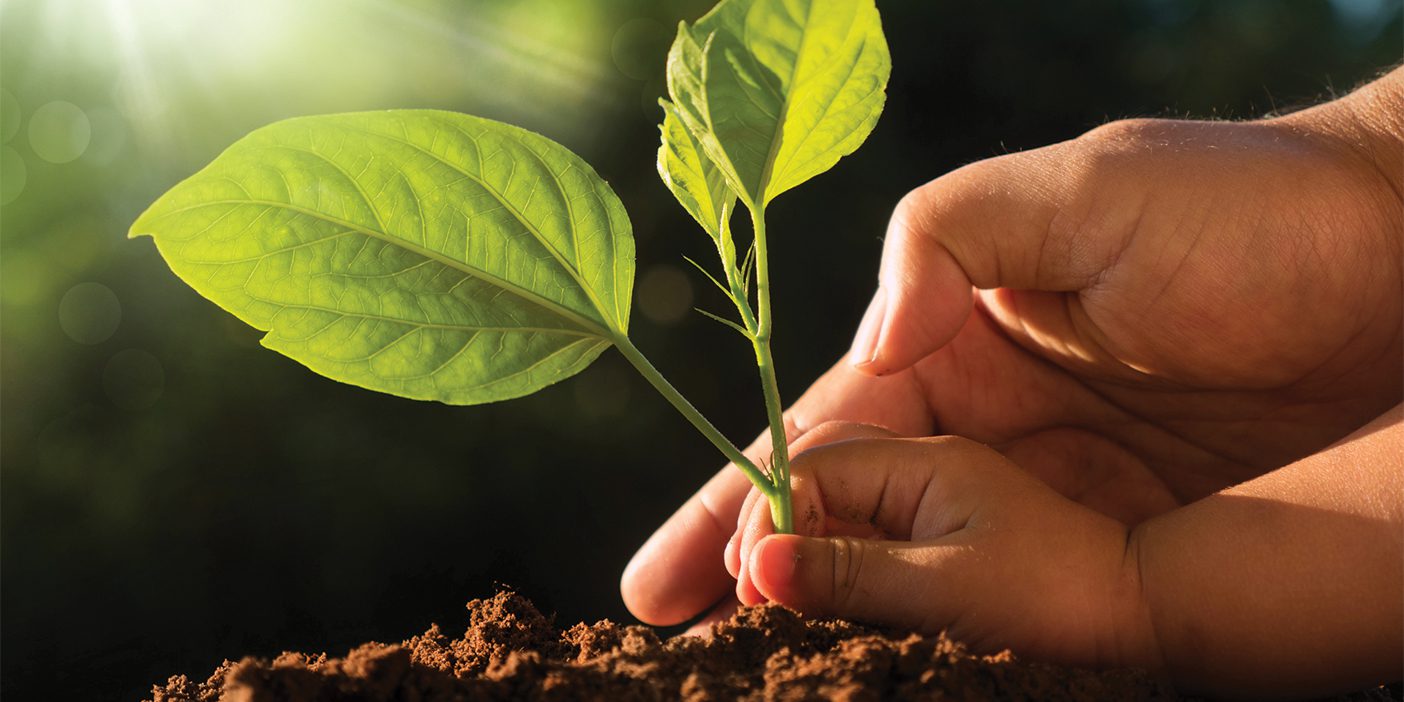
[(511, 651)]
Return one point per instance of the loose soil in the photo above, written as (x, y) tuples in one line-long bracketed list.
[(510, 651)]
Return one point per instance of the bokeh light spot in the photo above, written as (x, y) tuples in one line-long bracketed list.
[(59, 132), (639, 47), (134, 379), (10, 115), (89, 313), (13, 175), (665, 294)]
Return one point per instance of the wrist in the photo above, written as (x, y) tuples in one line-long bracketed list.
[(1142, 647)]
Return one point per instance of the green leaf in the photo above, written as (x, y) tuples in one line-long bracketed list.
[(426, 254), (748, 266), (777, 91), (695, 181), (708, 275), (726, 322)]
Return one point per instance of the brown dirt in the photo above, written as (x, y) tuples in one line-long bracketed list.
[(511, 651)]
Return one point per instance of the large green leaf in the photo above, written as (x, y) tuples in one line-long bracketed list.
[(777, 91), (697, 183), (427, 254)]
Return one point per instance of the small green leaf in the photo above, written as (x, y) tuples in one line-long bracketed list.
[(697, 184), (426, 254), (723, 320), (708, 275), (780, 90), (748, 266), (686, 59)]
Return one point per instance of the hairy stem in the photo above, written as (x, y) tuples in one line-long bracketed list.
[(780, 508), (689, 412), (739, 294)]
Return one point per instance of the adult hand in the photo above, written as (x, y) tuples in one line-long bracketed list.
[(1138, 317)]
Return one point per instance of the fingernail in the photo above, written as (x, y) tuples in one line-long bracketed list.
[(774, 563), (865, 342)]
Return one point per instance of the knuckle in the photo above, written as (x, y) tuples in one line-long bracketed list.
[(915, 209), (960, 199), (812, 457), (803, 460), (846, 563), (909, 206), (715, 514), (829, 432), (1124, 130), (836, 431), (958, 443), (1117, 146), (833, 426)]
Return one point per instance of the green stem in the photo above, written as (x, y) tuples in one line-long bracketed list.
[(689, 412), (743, 305), (780, 508), (739, 294)]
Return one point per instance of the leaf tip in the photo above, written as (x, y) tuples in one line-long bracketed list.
[(139, 229)]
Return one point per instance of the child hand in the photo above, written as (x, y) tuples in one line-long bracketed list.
[(944, 533)]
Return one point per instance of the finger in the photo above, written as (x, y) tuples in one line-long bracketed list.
[(678, 572), (733, 546), (757, 519), (808, 515), (811, 518), (907, 488), (758, 526), (834, 431), (1016, 221), (896, 402), (883, 582)]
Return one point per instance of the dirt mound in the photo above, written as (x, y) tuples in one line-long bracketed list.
[(511, 651)]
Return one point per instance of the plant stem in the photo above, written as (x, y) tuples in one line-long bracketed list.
[(780, 508), (739, 294), (689, 412)]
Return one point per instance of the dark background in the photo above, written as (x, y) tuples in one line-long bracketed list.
[(173, 494)]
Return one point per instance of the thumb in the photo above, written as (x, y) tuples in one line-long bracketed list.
[(1011, 221), (884, 582)]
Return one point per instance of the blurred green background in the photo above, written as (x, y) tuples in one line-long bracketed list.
[(171, 494)]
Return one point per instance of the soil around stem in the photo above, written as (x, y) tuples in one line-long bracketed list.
[(510, 651)]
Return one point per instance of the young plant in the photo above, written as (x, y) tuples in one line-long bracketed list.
[(439, 256)]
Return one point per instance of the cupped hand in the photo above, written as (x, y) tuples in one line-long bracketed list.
[(1138, 317), (943, 533)]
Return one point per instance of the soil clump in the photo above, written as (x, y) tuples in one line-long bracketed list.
[(510, 651)]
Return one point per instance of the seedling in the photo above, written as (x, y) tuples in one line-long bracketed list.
[(440, 256)]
